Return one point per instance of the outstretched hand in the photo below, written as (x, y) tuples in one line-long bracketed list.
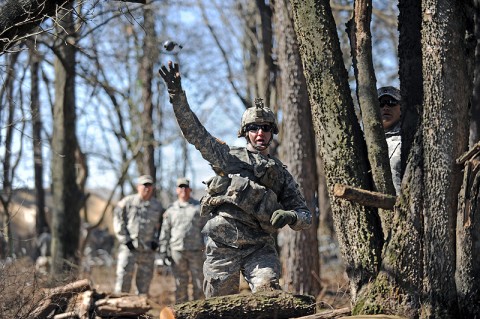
[(281, 217), (172, 78)]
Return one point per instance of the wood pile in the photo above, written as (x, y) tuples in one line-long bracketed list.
[(79, 300)]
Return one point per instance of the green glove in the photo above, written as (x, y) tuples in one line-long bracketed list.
[(282, 217), (172, 78)]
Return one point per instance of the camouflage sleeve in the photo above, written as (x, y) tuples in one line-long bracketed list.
[(165, 233), (292, 199), (120, 222), (215, 151)]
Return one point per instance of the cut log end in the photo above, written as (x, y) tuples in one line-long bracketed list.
[(167, 313)]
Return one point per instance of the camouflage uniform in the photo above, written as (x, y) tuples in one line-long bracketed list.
[(135, 220), (248, 188), (182, 240), (394, 142)]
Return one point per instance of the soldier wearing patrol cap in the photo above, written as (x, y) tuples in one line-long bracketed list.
[(136, 222), (252, 195), (391, 115), (182, 243)]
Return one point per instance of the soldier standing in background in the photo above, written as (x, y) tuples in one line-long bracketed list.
[(136, 222), (181, 241), (251, 197), (391, 115)]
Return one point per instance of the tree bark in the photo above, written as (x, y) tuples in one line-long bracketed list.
[(449, 88), (341, 140), (67, 198), (475, 103), (410, 71), (147, 61), (301, 263), (467, 270), (41, 224), (274, 304)]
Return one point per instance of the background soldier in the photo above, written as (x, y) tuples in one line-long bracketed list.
[(391, 114), (136, 222), (182, 242), (252, 195)]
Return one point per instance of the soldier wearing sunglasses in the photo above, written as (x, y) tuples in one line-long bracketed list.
[(251, 196), (391, 114)]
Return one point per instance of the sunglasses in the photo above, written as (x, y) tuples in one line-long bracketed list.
[(256, 127), (390, 103)]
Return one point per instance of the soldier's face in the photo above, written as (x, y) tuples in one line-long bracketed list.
[(145, 191), (183, 193), (389, 111), (259, 137)]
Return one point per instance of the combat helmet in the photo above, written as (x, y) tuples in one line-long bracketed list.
[(258, 114)]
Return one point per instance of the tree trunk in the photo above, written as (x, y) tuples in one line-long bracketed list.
[(147, 61), (41, 224), (6, 97), (410, 71), (300, 256), (341, 140), (67, 199), (467, 272), (475, 104), (445, 139)]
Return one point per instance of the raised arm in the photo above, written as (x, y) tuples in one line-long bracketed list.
[(213, 150)]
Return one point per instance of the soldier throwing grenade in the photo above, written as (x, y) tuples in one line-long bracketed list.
[(251, 196)]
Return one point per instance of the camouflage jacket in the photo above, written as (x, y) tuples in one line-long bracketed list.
[(394, 142), (136, 220), (248, 187), (182, 226)]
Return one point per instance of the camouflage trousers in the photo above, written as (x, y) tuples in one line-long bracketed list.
[(184, 263), (144, 261), (259, 264)]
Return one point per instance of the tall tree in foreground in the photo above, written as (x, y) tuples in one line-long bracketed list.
[(301, 262), (67, 199), (415, 274)]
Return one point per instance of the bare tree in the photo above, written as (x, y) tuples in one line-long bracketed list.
[(41, 224), (301, 263), (8, 159), (148, 58), (66, 195)]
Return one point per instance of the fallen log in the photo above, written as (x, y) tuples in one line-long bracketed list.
[(364, 197), (131, 305), (272, 304)]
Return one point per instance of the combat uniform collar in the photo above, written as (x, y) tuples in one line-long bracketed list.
[(395, 130)]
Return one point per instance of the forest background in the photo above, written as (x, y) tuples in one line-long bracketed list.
[(83, 107)]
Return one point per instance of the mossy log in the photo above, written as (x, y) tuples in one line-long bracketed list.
[(272, 304)]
